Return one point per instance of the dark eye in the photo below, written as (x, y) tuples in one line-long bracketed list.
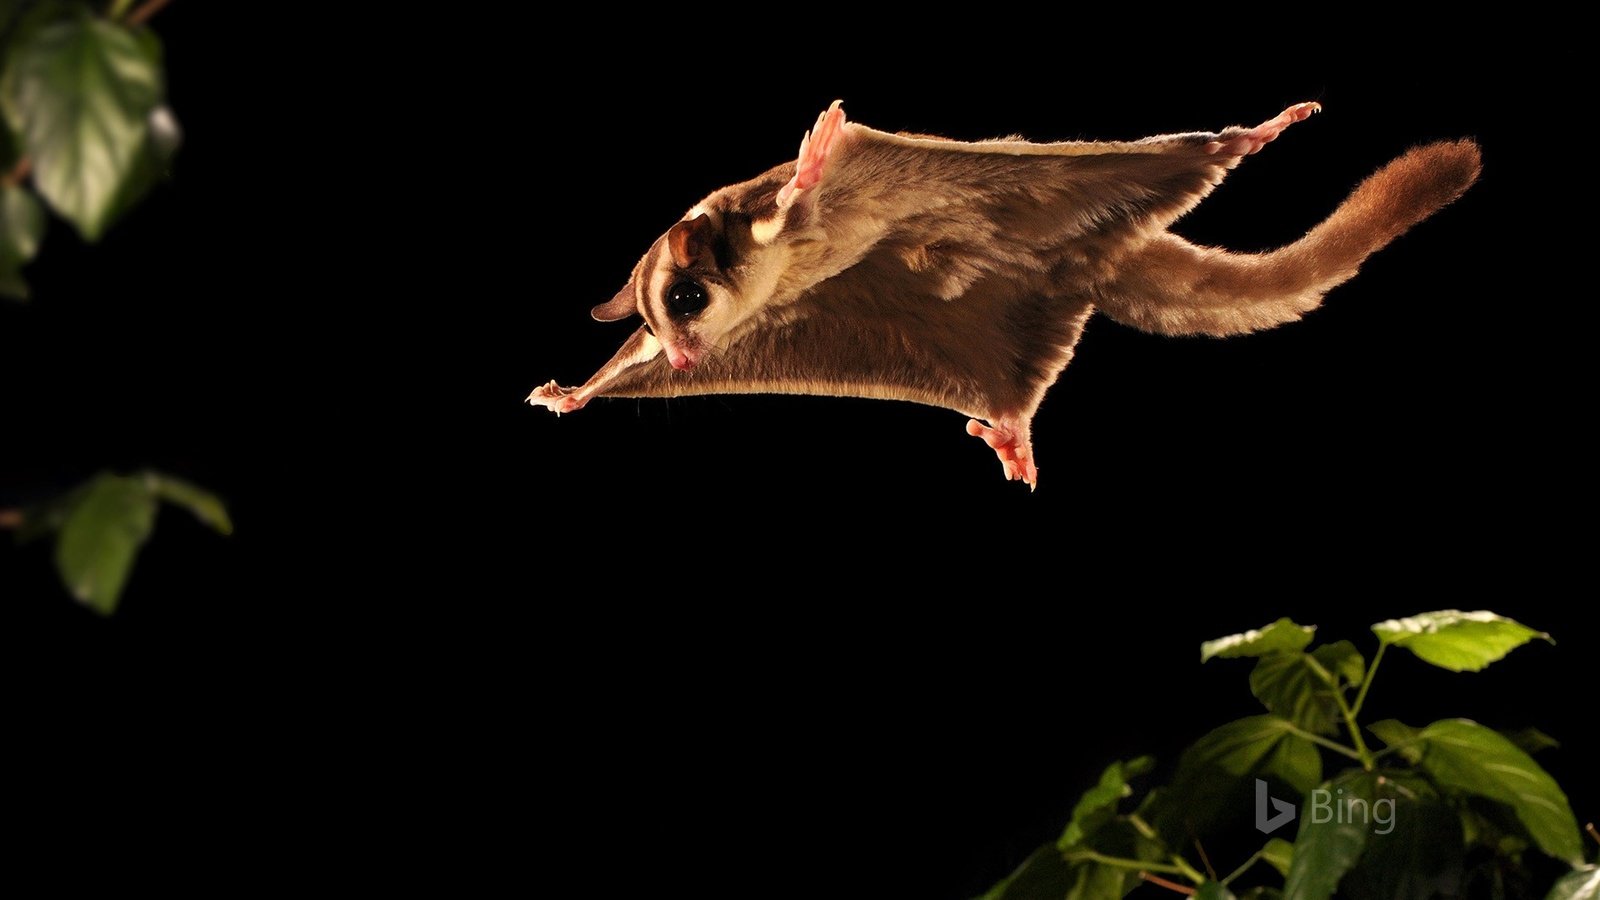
[(685, 298)]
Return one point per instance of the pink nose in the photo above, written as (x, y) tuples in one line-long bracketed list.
[(678, 358)]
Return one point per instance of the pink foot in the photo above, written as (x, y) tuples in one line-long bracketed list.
[(1010, 442), (556, 398), (814, 150), (1253, 140)]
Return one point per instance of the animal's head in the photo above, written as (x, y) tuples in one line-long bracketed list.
[(688, 287)]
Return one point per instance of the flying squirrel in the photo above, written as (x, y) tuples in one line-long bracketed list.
[(960, 275)]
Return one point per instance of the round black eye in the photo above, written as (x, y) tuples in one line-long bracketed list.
[(685, 298)]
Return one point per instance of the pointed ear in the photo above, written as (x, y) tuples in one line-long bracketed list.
[(690, 240), (619, 307)]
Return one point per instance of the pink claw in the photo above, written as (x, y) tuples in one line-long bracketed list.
[(1010, 442)]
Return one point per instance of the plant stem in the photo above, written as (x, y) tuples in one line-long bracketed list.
[(1204, 859), (1335, 746), (1143, 827), (18, 173), (1355, 733), (11, 519), (1254, 858), (1592, 832), (143, 13), (1361, 695), (118, 9), (1169, 885), (1188, 871), (1118, 862)]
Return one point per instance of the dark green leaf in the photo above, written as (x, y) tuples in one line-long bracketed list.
[(1213, 890), (1580, 884), (1292, 685), (1043, 874), (1093, 881), (1213, 784), (21, 228), (1455, 640), (1414, 852), (101, 538), (1532, 740), (1342, 660), (1262, 892), (206, 506), (1280, 635), (1466, 757), (80, 93), (1402, 737), (1099, 803), (1279, 854), (1328, 845)]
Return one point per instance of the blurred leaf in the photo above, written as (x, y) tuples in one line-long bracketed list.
[(1407, 741), (1415, 855), (1099, 803), (1456, 640), (1343, 661), (47, 518), (1325, 849), (1290, 685), (206, 506), (21, 228), (1532, 740), (80, 92), (102, 536), (1042, 874), (1580, 884), (1283, 634), (1213, 890), (1464, 756), (1279, 854)]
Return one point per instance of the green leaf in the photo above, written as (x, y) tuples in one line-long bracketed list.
[(1213, 783), (1580, 884), (1455, 640), (1532, 740), (80, 93), (1099, 803), (1043, 874), (1414, 852), (1093, 881), (1279, 854), (101, 538), (1291, 685), (1407, 741), (206, 506), (21, 228), (1466, 757), (1280, 635), (1342, 660), (1213, 890), (1257, 746), (1325, 849)]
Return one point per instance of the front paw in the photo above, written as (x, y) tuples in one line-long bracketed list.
[(556, 398)]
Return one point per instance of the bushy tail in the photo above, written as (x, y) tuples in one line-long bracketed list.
[(1174, 287)]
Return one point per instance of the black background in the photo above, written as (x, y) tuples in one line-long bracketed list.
[(803, 644)]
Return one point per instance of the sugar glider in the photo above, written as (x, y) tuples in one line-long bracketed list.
[(960, 275)]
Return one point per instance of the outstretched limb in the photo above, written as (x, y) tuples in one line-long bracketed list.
[(1010, 440), (1247, 142), (815, 150), (641, 348)]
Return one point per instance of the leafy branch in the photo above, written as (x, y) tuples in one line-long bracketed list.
[(1454, 791), (85, 133)]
